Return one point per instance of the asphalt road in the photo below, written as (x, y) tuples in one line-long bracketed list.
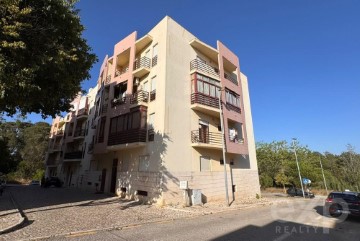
[(298, 220)]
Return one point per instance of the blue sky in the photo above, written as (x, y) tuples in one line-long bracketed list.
[(302, 58)]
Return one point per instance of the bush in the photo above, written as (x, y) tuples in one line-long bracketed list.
[(266, 181), (39, 174)]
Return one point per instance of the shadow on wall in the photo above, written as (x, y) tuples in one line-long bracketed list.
[(147, 179)]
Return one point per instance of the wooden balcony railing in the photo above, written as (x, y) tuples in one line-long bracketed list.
[(129, 136), (212, 138), (143, 62), (73, 155), (139, 96), (231, 77), (203, 67), (199, 98)]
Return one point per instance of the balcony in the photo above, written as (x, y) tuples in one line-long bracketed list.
[(52, 162), (141, 67), (127, 139), (104, 108), (75, 155), (79, 133), (152, 95), (59, 133), (233, 108), (206, 104), (82, 113), (198, 65), (140, 96), (211, 140), (121, 71), (56, 147), (118, 101), (232, 77)]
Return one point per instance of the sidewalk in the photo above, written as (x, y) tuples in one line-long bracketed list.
[(10, 216)]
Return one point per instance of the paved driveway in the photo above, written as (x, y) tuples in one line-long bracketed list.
[(55, 211)]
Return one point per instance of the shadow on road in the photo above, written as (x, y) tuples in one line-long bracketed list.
[(279, 230), (35, 197)]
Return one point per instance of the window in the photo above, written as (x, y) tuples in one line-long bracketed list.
[(144, 163), (151, 133), (102, 130), (153, 89), (204, 163), (155, 55), (232, 98)]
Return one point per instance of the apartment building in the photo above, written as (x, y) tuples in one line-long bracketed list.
[(153, 121)]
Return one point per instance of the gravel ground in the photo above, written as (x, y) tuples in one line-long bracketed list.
[(53, 212)]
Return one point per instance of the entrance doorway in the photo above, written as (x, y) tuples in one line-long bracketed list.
[(203, 131), (113, 175), (103, 178)]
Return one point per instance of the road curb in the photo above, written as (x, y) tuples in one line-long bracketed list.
[(132, 225)]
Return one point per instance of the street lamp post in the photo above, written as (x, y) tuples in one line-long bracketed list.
[(297, 163), (322, 170), (223, 147)]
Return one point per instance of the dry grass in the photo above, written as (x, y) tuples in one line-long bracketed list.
[(316, 191)]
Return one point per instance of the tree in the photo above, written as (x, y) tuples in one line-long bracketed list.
[(36, 139), (43, 57), (6, 163), (282, 179)]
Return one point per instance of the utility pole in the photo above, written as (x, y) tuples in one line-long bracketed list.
[(322, 170), (297, 163), (223, 147)]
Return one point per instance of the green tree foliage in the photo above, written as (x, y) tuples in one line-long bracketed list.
[(25, 142), (276, 160), (36, 139), (6, 162), (43, 57)]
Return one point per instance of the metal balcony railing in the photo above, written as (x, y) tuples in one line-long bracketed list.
[(212, 138), (143, 62), (73, 155), (139, 96), (231, 77), (197, 64), (233, 107), (154, 61), (129, 136), (199, 98)]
